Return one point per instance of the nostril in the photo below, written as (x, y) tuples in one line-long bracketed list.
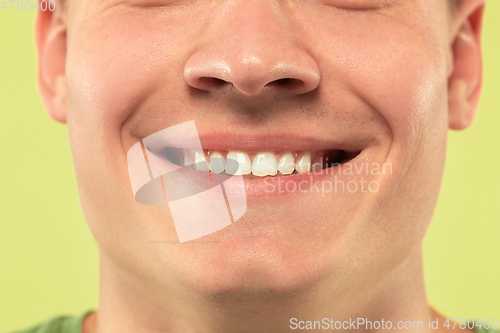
[(211, 82), (289, 83)]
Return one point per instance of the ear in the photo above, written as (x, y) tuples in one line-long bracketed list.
[(50, 35), (465, 79)]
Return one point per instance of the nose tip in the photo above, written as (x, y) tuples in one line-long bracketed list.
[(253, 75)]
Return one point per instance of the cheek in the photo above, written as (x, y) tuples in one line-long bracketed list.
[(397, 67), (399, 71), (115, 61), (111, 72)]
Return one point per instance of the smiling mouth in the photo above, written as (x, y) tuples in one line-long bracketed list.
[(257, 165)]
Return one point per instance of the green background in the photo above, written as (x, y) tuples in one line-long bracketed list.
[(48, 258)]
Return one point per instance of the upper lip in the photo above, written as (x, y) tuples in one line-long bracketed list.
[(251, 142)]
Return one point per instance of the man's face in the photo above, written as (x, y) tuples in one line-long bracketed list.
[(367, 78)]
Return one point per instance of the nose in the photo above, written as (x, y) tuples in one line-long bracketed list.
[(253, 49)]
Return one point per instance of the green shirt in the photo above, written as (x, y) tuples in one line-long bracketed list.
[(63, 324), (73, 325)]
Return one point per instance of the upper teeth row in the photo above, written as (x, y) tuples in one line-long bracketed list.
[(263, 164)]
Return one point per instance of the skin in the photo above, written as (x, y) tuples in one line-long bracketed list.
[(398, 75)]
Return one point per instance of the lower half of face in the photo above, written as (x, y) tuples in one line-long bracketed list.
[(281, 82)]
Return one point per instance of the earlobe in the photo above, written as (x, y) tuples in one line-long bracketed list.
[(461, 114), (465, 81), (51, 51)]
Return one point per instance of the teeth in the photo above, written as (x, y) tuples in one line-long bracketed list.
[(265, 164), (304, 164), (200, 163), (217, 162), (261, 165), (245, 165), (286, 164)]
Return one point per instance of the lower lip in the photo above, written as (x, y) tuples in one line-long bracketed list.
[(287, 185)]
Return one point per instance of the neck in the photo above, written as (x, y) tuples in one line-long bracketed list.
[(129, 304)]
